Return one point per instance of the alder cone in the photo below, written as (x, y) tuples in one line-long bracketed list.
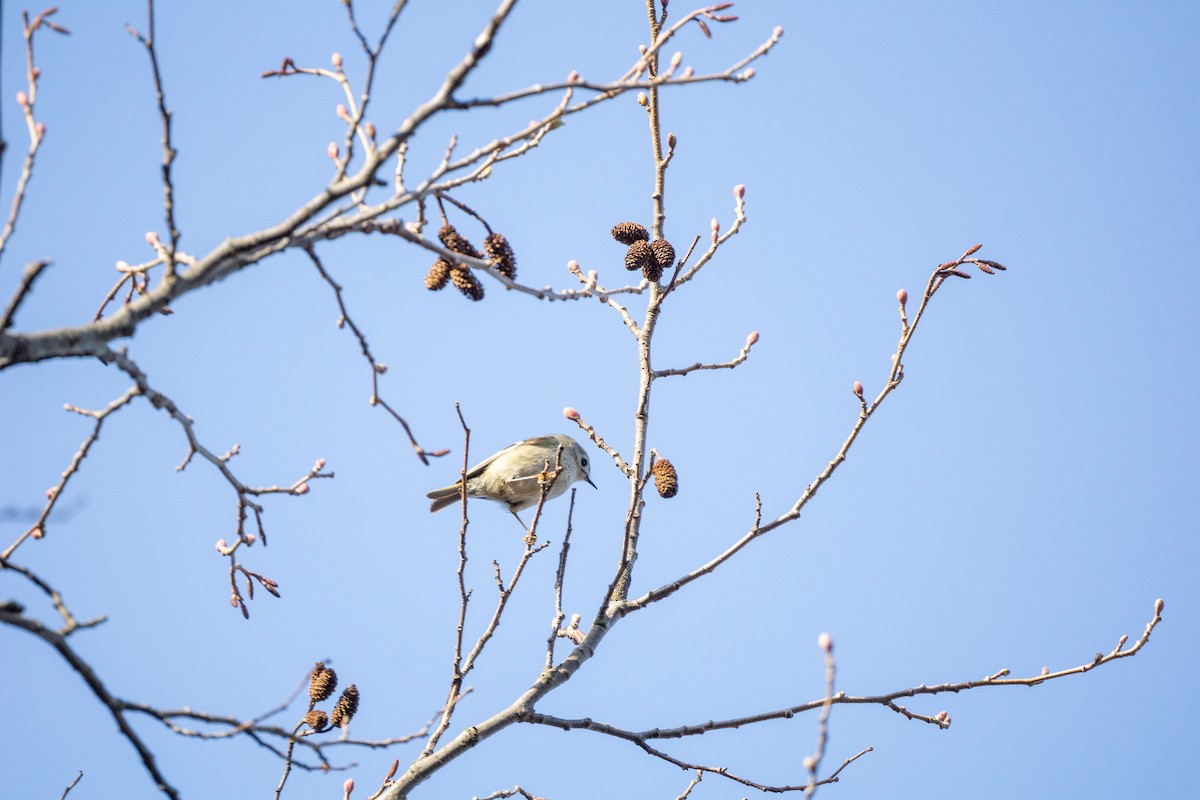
[(664, 254), (630, 232), (438, 275), (501, 254), (455, 241), (347, 706), (321, 683), (665, 479), (638, 256), (465, 281)]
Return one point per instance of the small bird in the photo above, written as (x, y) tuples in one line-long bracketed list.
[(511, 475)]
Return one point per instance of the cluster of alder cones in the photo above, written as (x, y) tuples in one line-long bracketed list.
[(652, 258), (442, 272), (321, 684)]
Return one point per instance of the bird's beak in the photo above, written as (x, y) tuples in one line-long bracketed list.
[(589, 480)]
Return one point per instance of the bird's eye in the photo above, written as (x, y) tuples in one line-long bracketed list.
[(583, 461)]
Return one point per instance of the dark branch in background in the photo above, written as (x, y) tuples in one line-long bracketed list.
[(28, 278), (168, 151), (37, 130), (377, 367), (244, 492), (114, 705), (38, 529)]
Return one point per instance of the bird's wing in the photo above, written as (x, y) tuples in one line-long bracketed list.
[(478, 469)]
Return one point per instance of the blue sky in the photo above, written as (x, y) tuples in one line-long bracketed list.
[(1019, 502)]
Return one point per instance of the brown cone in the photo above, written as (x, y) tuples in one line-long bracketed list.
[(664, 254), (465, 281), (346, 707), (638, 256), (317, 720), (630, 232), (665, 479), (501, 254), (321, 683), (456, 242), (439, 273)]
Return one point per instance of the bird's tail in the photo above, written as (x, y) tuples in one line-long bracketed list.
[(446, 496)]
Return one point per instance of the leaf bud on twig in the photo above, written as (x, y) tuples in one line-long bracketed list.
[(336, 58), (902, 296), (332, 150), (571, 413), (825, 643), (739, 191), (22, 100), (778, 32), (858, 388), (752, 339), (152, 238), (342, 112), (642, 99), (301, 489)]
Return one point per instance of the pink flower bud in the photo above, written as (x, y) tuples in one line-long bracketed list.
[(370, 129), (573, 267), (748, 74), (122, 266), (571, 413), (739, 191), (640, 66), (413, 228), (37, 73), (38, 533), (40, 128), (572, 76), (380, 367), (715, 225), (902, 296), (221, 546), (302, 489), (1158, 606), (319, 465), (687, 72), (643, 49), (332, 150), (775, 34), (942, 715), (593, 275), (342, 112), (53, 490), (825, 643), (336, 58), (858, 388), (152, 238), (752, 339), (233, 601), (22, 100), (973, 250)]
